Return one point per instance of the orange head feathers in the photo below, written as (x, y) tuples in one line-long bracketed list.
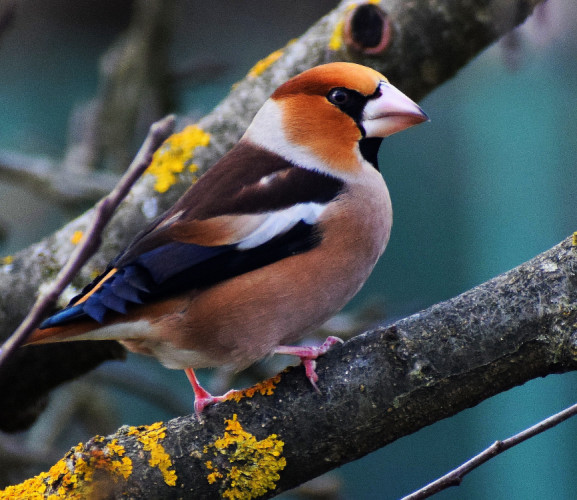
[(328, 109)]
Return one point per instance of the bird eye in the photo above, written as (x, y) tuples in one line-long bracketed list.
[(338, 96)]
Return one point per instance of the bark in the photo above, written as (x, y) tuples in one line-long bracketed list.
[(375, 388)]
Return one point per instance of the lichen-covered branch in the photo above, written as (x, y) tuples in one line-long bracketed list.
[(376, 388), (428, 41)]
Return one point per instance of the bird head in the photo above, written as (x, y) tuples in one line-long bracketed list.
[(333, 117)]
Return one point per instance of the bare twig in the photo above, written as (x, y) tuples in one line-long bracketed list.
[(455, 477), (91, 241)]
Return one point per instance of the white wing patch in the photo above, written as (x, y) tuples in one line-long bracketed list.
[(280, 222)]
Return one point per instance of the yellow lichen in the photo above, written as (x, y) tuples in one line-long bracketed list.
[(246, 468), (574, 240), (32, 489), (124, 465), (175, 155), (76, 237), (95, 273), (72, 476), (150, 436), (336, 40), (5, 261), (259, 68), (265, 388)]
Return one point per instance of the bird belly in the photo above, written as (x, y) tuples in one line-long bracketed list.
[(169, 355)]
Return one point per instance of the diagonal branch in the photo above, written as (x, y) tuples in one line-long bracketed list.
[(377, 387)]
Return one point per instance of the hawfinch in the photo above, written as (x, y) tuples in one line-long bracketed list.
[(274, 239)]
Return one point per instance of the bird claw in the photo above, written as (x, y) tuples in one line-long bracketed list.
[(207, 399), (308, 355), (203, 398), (310, 365)]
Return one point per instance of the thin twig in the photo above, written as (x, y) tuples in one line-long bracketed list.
[(91, 241), (455, 477)]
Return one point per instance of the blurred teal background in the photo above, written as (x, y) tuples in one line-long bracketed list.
[(487, 184)]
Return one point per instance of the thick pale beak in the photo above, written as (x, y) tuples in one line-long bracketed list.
[(391, 112)]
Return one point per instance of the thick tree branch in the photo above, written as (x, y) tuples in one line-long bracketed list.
[(377, 387)]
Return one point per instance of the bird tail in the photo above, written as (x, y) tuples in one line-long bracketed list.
[(63, 333)]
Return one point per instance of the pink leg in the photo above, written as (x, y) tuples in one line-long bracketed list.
[(202, 398), (308, 356)]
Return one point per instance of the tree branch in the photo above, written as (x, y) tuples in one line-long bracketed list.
[(43, 176), (455, 477), (377, 387)]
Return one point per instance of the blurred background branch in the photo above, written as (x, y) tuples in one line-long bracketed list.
[(48, 180)]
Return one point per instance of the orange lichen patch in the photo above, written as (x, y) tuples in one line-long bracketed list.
[(150, 437), (265, 388), (72, 477), (245, 467), (76, 237), (175, 155)]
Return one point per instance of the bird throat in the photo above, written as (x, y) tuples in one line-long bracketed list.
[(369, 148)]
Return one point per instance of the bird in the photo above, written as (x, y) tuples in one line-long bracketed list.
[(275, 238)]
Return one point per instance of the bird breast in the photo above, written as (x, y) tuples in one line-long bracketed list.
[(241, 320)]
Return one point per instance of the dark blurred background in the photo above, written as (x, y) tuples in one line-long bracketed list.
[(488, 184)]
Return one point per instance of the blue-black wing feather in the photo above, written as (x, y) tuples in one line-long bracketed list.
[(176, 267)]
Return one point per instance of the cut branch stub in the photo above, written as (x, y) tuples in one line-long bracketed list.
[(367, 29)]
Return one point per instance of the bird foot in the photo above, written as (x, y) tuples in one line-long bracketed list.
[(203, 398), (308, 355)]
